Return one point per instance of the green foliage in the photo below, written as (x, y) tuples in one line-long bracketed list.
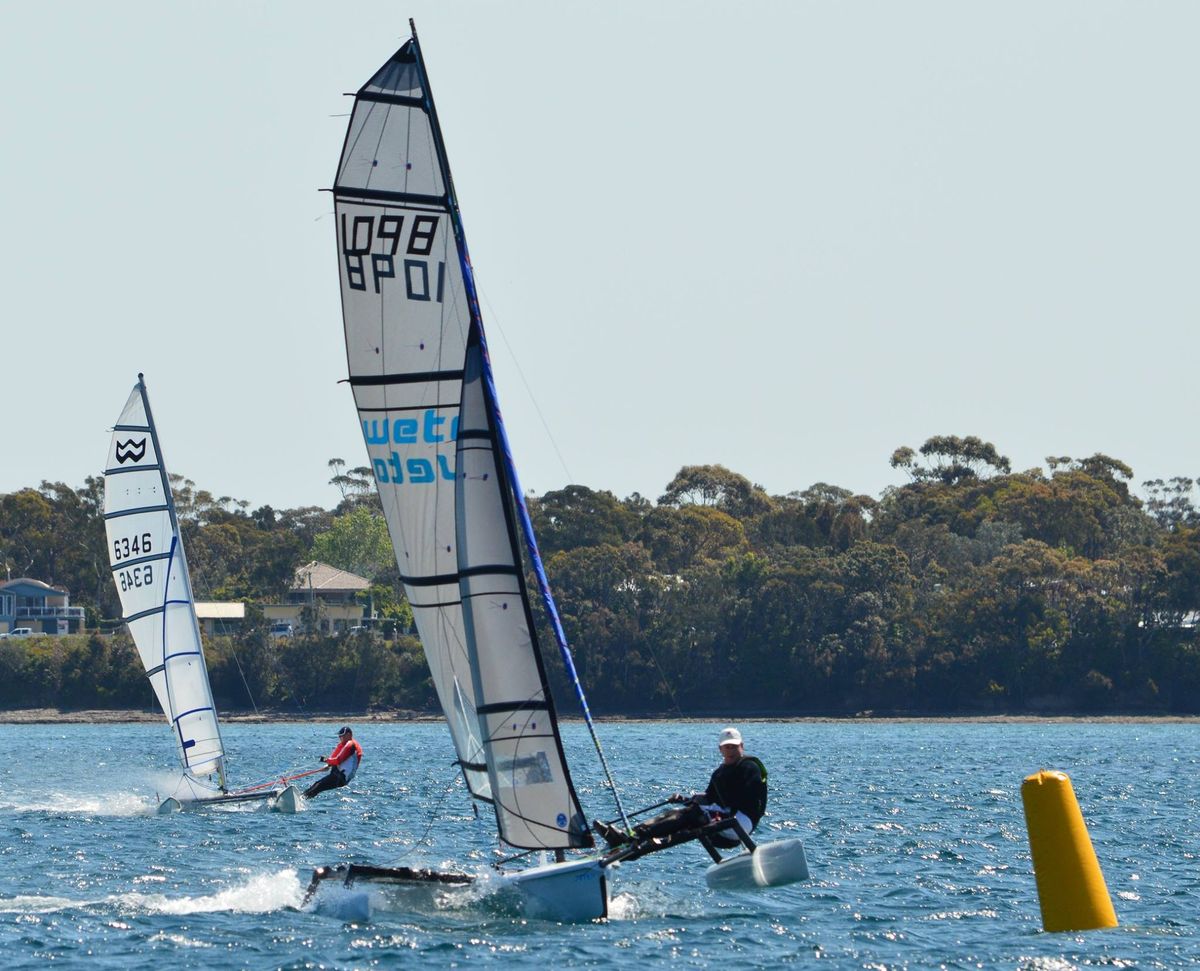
[(357, 541), (715, 485), (950, 459), (56, 534), (578, 516), (969, 589), (76, 671)]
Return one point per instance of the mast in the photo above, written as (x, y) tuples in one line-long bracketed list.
[(508, 467), (186, 577)]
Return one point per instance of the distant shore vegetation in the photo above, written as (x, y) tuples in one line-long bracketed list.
[(971, 589)]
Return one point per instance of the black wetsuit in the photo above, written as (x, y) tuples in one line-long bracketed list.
[(334, 780), (739, 787)]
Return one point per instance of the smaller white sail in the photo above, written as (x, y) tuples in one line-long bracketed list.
[(145, 553)]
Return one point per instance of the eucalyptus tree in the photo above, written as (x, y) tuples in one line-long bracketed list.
[(715, 485)]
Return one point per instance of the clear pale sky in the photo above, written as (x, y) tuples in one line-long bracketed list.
[(787, 237)]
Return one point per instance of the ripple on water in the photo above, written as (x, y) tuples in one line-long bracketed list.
[(910, 869)]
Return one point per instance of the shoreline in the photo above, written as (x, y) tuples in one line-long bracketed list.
[(56, 716)]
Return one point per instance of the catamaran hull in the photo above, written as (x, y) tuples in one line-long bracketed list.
[(770, 865), (287, 802), (277, 799), (567, 892), (347, 887)]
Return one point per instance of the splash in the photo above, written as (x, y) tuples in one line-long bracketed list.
[(74, 803), (260, 894), (36, 905), (349, 906), (623, 906)]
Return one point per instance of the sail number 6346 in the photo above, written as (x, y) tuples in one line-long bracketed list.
[(126, 546), (138, 576)]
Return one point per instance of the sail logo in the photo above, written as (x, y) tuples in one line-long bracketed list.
[(430, 429), (131, 451), (396, 471)]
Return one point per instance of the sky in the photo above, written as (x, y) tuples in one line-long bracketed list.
[(786, 237)]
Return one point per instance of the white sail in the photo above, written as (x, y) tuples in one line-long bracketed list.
[(525, 763), (410, 314), (145, 553)]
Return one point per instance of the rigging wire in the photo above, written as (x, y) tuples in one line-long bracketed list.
[(494, 324), (224, 629), (543, 582), (664, 679), (505, 466), (433, 813), (245, 683)]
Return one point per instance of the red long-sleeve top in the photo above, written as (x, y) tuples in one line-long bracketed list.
[(343, 751)]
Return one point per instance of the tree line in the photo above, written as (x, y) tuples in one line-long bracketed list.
[(971, 588)]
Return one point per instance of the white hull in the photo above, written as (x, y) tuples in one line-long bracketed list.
[(770, 865), (567, 892), (287, 802)]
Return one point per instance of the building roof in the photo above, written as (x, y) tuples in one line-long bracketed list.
[(212, 610), (32, 588), (323, 578)]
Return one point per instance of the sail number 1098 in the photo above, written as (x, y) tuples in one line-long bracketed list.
[(380, 240)]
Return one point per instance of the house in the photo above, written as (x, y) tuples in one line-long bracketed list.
[(321, 595), (25, 602), (219, 617)]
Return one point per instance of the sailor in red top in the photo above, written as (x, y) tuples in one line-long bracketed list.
[(343, 763)]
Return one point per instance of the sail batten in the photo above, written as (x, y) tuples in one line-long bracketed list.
[(149, 567)]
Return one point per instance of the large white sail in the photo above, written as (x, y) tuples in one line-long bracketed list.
[(410, 315), (145, 553)]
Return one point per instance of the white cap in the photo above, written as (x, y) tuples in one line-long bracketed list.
[(730, 736)]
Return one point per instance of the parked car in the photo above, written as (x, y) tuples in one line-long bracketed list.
[(282, 629), (21, 632)]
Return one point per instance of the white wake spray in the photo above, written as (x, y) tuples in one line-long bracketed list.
[(259, 894)]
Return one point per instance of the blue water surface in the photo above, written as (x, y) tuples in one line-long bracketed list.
[(914, 831)]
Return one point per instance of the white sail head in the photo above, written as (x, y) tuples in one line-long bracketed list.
[(150, 571), (408, 313)]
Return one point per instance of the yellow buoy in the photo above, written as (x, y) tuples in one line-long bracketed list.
[(1070, 885)]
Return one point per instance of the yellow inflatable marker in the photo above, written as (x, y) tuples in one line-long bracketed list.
[(1070, 885)]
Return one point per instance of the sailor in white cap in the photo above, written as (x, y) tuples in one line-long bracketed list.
[(738, 789)]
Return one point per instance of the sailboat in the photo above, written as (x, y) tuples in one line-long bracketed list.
[(149, 567), (427, 405)]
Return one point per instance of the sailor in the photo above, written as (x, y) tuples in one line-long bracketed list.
[(343, 763), (737, 789)]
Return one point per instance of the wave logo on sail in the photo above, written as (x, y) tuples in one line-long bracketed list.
[(131, 451), (430, 429)]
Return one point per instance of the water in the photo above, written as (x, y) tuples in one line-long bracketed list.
[(914, 832)]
